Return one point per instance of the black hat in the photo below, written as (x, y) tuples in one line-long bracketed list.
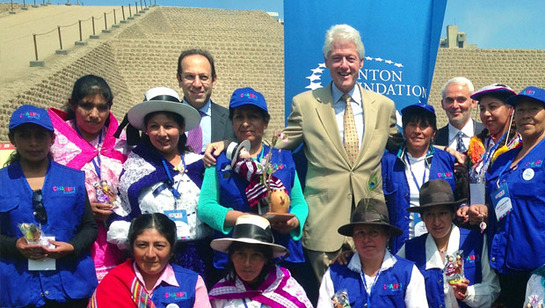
[(435, 192), (371, 212)]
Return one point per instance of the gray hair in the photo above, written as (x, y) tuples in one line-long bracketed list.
[(344, 32), (461, 81)]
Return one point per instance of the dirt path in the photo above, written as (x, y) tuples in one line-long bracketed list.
[(16, 34)]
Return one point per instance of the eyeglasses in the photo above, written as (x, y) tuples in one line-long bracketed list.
[(37, 204)]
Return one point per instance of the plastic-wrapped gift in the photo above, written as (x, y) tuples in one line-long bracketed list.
[(454, 269), (34, 235)]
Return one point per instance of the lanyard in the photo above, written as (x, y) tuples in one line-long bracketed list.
[(412, 173), (175, 193), (491, 151), (96, 159), (372, 286)]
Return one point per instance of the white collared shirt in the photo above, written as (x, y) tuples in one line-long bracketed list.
[(415, 295), (453, 133), (357, 109), (206, 123)]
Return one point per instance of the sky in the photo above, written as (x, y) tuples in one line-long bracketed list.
[(488, 23)]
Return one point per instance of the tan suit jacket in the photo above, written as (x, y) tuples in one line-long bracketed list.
[(332, 182)]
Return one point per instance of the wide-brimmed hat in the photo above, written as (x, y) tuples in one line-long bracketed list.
[(163, 99), (418, 107), (372, 212), (493, 89), (233, 150), (435, 192), (535, 93), (251, 229)]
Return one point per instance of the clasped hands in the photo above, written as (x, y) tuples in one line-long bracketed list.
[(37, 252)]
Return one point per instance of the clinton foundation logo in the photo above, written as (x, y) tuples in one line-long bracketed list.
[(379, 75)]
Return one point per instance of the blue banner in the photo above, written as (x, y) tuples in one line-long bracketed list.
[(401, 39)]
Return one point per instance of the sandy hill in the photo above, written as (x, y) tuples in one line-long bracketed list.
[(247, 45)]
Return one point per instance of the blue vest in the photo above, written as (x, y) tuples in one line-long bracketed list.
[(388, 291), (516, 242), (232, 193), (396, 187), (471, 242), (183, 296), (63, 196)]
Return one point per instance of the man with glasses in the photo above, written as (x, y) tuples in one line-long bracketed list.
[(197, 77), (457, 104)]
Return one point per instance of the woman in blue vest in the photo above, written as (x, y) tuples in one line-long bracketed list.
[(404, 171), (515, 186), (499, 136), (50, 264), (372, 277), (223, 196), (148, 279), (481, 286), (162, 175)]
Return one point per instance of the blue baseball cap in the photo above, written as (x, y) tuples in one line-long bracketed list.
[(417, 107), (248, 96), (530, 92), (30, 114)]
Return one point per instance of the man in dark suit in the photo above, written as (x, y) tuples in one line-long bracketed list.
[(197, 76), (457, 104)]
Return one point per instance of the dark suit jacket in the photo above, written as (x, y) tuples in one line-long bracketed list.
[(222, 128), (441, 138)]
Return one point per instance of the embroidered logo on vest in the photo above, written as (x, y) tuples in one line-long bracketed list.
[(444, 175), (65, 189), (393, 287), (534, 164), (471, 259), (176, 295)]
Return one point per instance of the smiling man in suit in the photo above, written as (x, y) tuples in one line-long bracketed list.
[(345, 129), (197, 77), (458, 105)]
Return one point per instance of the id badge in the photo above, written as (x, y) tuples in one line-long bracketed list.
[(502, 202), (180, 219), (45, 264), (419, 226), (477, 193)]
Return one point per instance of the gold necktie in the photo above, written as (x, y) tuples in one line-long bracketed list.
[(351, 141)]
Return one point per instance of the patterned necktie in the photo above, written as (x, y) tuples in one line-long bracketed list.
[(351, 141), (194, 137), (460, 147)]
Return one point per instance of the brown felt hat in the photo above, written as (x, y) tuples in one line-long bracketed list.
[(435, 192), (372, 212)]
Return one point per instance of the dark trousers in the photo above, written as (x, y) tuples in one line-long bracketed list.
[(513, 290)]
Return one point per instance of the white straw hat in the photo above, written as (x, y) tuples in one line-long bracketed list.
[(163, 99)]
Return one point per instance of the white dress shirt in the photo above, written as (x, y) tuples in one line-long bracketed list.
[(453, 133), (357, 110)]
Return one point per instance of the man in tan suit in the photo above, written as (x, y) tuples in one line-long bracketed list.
[(343, 156), (335, 182)]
